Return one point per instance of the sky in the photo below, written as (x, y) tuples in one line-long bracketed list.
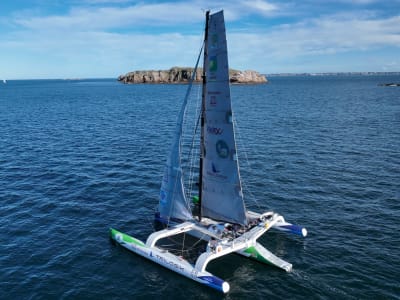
[(106, 38)]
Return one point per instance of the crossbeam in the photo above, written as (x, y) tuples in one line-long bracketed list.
[(178, 229), (206, 257), (243, 242)]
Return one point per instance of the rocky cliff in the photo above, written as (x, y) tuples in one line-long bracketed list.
[(182, 75)]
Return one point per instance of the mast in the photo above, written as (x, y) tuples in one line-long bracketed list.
[(203, 108)]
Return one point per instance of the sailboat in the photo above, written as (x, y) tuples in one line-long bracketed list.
[(219, 216)]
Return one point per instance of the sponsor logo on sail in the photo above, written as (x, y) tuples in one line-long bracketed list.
[(213, 64), (216, 172), (222, 149), (214, 40), (214, 168), (214, 130), (163, 197), (213, 100)]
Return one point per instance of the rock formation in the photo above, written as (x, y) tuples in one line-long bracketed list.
[(182, 75)]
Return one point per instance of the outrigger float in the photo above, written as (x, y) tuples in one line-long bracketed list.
[(219, 216)]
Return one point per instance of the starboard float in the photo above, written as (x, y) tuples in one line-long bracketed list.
[(219, 215)]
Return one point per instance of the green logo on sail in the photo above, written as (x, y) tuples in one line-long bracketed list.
[(222, 149), (214, 40), (213, 64)]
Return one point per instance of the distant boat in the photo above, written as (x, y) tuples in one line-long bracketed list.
[(389, 84), (4, 81), (220, 216)]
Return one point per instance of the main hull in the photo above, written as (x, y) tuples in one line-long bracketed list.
[(169, 261)]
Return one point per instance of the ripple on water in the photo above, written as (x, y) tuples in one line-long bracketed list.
[(76, 159)]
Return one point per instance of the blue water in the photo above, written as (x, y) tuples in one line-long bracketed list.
[(77, 157)]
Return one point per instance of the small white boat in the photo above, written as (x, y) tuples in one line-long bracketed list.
[(220, 216)]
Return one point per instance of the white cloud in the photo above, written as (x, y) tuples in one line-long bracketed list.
[(103, 1), (322, 36), (261, 6), (83, 41), (140, 14), (108, 17), (95, 53)]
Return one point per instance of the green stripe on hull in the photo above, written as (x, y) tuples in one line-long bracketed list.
[(254, 254), (125, 238)]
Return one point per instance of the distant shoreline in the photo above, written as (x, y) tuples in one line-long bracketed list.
[(334, 74), (176, 75), (9, 79)]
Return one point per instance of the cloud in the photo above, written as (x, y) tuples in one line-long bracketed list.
[(326, 35), (329, 43), (261, 6), (109, 17), (110, 40), (97, 53), (103, 1), (141, 14)]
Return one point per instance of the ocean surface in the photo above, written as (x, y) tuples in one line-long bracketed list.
[(80, 156)]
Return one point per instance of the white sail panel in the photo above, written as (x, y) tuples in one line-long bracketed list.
[(222, 196), (173, 203)]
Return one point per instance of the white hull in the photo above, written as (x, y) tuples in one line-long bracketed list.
[(170, 261), (220, 244)]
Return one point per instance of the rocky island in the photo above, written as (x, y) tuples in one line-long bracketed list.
[(182, 75)]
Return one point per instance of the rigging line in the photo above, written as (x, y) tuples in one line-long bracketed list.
[(191, 157), (195, 131), (198, 241), (193, 151), (176, 241), (151, 223), (183, 242), (189, 152), (253, 197), (189, 249), (186, 100), (179, 130)]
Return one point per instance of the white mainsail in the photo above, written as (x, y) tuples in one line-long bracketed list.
[(222, 197)]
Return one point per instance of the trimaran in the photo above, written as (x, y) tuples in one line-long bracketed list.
[(221, 218)]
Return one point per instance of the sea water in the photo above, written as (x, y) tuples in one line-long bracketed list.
[(78, 157)]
